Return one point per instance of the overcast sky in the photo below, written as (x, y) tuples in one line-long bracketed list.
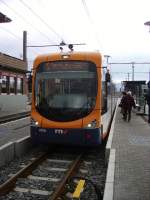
[(114, 27)]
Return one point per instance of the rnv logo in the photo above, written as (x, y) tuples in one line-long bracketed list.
[(59, 131)]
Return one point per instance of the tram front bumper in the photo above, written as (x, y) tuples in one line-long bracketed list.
[(83, 137)]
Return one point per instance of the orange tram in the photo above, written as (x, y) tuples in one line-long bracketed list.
[(70, 100)]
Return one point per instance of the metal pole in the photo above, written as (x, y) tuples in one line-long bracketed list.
[(25, 46), (107, 58), (132, 71), (128, 76)]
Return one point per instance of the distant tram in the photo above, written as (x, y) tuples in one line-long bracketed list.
[(69, 98)]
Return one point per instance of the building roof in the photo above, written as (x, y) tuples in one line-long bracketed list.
[(4, 18), (10, 62)]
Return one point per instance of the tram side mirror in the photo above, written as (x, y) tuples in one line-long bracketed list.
[(107, 77)]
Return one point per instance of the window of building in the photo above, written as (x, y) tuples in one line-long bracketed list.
[(4, 84), (12, 85), (20, 85)]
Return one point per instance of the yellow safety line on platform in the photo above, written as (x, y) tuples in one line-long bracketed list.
[(79, 189)]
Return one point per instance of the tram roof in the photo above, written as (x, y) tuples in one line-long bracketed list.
[(75, 54)]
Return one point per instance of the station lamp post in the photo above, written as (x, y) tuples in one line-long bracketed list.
[(107, 58), (132, 71)]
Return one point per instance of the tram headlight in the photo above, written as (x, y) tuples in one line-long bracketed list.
[(92, 124), (65, 56), (34, 122)]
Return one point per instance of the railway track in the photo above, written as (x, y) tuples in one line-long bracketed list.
[(13, 117), (43, 178)]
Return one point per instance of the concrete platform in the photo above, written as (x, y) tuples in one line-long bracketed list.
[(7, 113), (128, 155), (13, 143), (15, 149)]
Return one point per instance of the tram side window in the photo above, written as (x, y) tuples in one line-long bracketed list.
[(104, 92), (19, 85), (4, 85)]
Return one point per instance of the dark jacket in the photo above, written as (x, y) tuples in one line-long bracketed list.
[(128, 102), (147, 97), (122, 100)]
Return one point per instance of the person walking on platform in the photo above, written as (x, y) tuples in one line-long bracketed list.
[(147, 97), (127, 104), (120, 105)]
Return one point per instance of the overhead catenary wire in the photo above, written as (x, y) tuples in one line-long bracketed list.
[(11, 33), (91, 21), (125, 63), (54, 45), (87, 11), (14, 35), (8, 49), (25, 20), (129, 72), (42, 20)]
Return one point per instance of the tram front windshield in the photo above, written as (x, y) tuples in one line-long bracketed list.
[(65, 90)]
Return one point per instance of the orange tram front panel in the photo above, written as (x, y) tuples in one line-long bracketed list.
[(66, 101)]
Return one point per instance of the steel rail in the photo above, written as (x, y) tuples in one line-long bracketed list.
[(75, 165), (10, 183), (12, 117)]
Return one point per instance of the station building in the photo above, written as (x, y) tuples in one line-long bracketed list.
[(13, 83)]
